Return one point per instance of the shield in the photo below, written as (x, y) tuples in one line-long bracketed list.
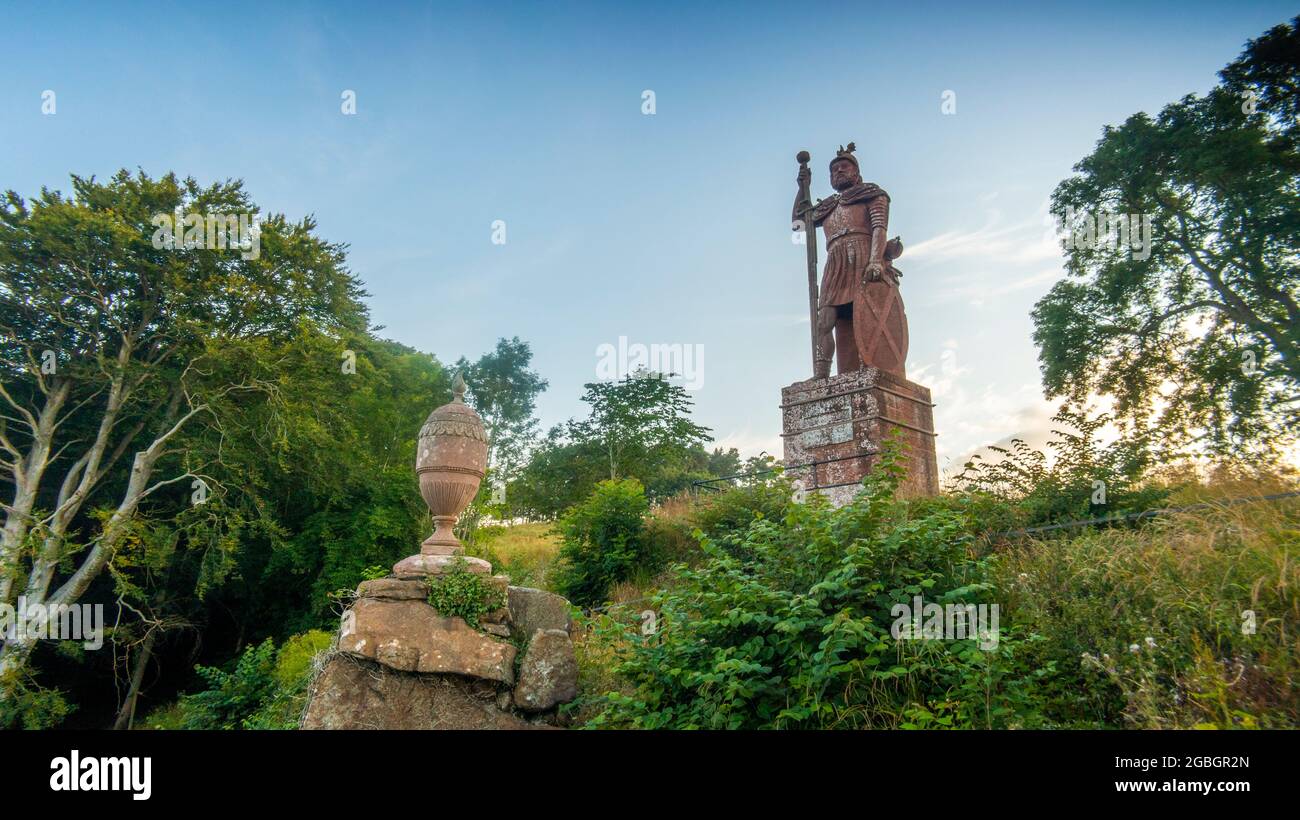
[(880, 326)]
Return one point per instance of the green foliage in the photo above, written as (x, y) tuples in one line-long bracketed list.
[(375, 572), (559, 474), (1148, 627), (266, 689), (731, 511), (797, 634), (1079, 479), (638, 420), (1204, 333), (336, 479), (523, 551), (639, 427), (666, 539), (28, 705), (232, 698), (604, 541), (293, 663), (503, 390), (463, 594), (307, 464)]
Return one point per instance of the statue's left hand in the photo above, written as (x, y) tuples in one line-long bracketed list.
[(874, 273)]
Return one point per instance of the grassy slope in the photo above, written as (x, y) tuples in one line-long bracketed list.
[(523, 551)]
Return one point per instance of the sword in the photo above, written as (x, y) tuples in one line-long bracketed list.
[(810, 240)]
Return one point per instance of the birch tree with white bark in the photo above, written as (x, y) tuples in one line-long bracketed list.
[(114, 350)]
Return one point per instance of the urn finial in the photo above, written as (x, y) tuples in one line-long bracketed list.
[(450, 461)]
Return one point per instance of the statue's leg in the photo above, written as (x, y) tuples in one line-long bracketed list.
[(846, 346), (825, 341)]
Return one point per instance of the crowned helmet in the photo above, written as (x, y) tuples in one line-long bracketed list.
[(847, 153)]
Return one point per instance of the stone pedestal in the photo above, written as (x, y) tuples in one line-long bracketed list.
[(397, 663), (833, 428)]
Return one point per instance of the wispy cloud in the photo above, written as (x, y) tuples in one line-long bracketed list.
[(998, 258)]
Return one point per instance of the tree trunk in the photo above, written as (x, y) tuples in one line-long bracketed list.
[(126, 715), (27, 481)]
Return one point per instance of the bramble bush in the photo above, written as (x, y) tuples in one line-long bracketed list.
[(732, 510), (796, 634)]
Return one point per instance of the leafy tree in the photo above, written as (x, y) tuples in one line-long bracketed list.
[(336, 478), (1203, 334), (639, 427), (503, 390), (151, 348), (723, 462), (639, 420), (559, 474)]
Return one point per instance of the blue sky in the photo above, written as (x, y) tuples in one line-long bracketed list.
[(664, 228)]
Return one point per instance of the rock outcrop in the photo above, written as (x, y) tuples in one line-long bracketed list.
[(534, 609), (410, 636), (351, 693), (398, 664), (549, 674)]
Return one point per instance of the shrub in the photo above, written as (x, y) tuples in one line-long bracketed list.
[(669, 539), (29, 705), (464, 594), (797, 634), (1079, 479), (293, 673), (375, 572), (266, 689), (734, 509), (231, 698), (603, 541)]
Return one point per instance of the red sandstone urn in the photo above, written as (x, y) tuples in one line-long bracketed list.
[(450, 461)]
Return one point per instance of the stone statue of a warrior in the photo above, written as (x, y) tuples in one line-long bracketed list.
[(859, 312)]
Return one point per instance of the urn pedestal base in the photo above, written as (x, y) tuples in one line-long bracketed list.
[(833, 429), (423, 564)]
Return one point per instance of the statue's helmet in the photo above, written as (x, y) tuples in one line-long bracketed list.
[(846, 153)]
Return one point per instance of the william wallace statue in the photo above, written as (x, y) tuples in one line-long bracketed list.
[(859, 314)]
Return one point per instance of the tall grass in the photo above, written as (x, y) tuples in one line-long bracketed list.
[(522, 551), (1158, 620)]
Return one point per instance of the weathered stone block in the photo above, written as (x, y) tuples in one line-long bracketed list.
[(394, 589), (548, 675), (534, 609), (838, 424), (420, 566), (410, 636), (351, 693), (500, 585)]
